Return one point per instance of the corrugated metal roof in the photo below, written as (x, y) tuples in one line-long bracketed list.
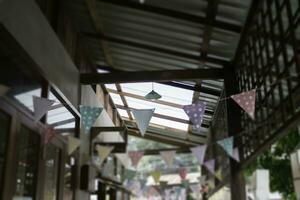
[(169, 34)]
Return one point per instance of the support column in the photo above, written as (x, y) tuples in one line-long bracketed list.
[(237, 180)]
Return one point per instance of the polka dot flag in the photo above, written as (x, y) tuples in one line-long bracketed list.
[(88, 116), (195, 113), (246, 100)]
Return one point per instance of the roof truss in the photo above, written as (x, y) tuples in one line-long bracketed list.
[(150, 76)]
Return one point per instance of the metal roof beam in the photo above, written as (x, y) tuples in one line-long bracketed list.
[(175, 14), (150, 76)]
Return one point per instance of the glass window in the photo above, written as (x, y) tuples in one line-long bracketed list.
[(68, 193), (4, 130), (51, 172), (28, 143)]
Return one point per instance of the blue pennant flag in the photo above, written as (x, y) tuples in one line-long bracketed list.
[(88, 116), (227, 145), (142, 117)]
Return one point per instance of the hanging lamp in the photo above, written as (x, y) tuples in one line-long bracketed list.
[(153, 95)]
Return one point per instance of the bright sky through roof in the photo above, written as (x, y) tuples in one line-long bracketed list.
[(168, 93)]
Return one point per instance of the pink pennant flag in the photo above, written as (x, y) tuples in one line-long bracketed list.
[(246, 100), (236, 154), (210, 165), (168, 157), (49, 134), (199, 152), (135, 157), (182, 173)]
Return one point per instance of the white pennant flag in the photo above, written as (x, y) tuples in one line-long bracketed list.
[(103, 152), (246, 100), (73, 144), (124, 159), (41, 106), (168, 157), (142, 117), (236, 154), (199, 152), (3, 90)]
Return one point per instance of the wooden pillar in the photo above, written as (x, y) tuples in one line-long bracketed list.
[(237, 181)]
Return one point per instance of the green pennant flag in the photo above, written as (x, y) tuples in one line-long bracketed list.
[(128, 174)]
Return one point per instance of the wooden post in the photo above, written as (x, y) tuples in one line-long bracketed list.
[(237, 181)]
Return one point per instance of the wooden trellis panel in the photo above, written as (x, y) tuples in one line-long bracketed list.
[(268, 60)]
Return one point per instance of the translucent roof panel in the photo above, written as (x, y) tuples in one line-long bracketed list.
[(168, 93), (116, 98)]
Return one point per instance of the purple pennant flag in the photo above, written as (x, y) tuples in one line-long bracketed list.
[(199, 153), (210, 165), (195, 113), (41, 106), (236, 154)]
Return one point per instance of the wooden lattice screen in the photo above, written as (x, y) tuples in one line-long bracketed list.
[(268, 60)]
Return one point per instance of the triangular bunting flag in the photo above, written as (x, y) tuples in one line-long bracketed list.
[(41, 106), (227, 145), (123, 158), (49, 134), (128, 175), (210, 165), (195, 189), (135, 157), (142, 118), (236, 154), (246, 100), (85, 158), (143, 183), (3, 90), (88, 116), (202, 179), (168, 157), (182, 173), (73, 144), (195, 113), (199, 153), (103, 152), (107, 170), (218, 174), (185, 183), (156, 176)]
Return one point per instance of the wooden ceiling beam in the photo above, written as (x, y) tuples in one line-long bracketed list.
[(166, 103), (150, 76), (154, 48), (163, 139), (174, 14)]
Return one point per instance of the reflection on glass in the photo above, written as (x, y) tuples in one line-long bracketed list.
[(68, 193), (27, 164), (4, 130), (51, 172)]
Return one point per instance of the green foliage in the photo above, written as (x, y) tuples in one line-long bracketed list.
[(277, 160)]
